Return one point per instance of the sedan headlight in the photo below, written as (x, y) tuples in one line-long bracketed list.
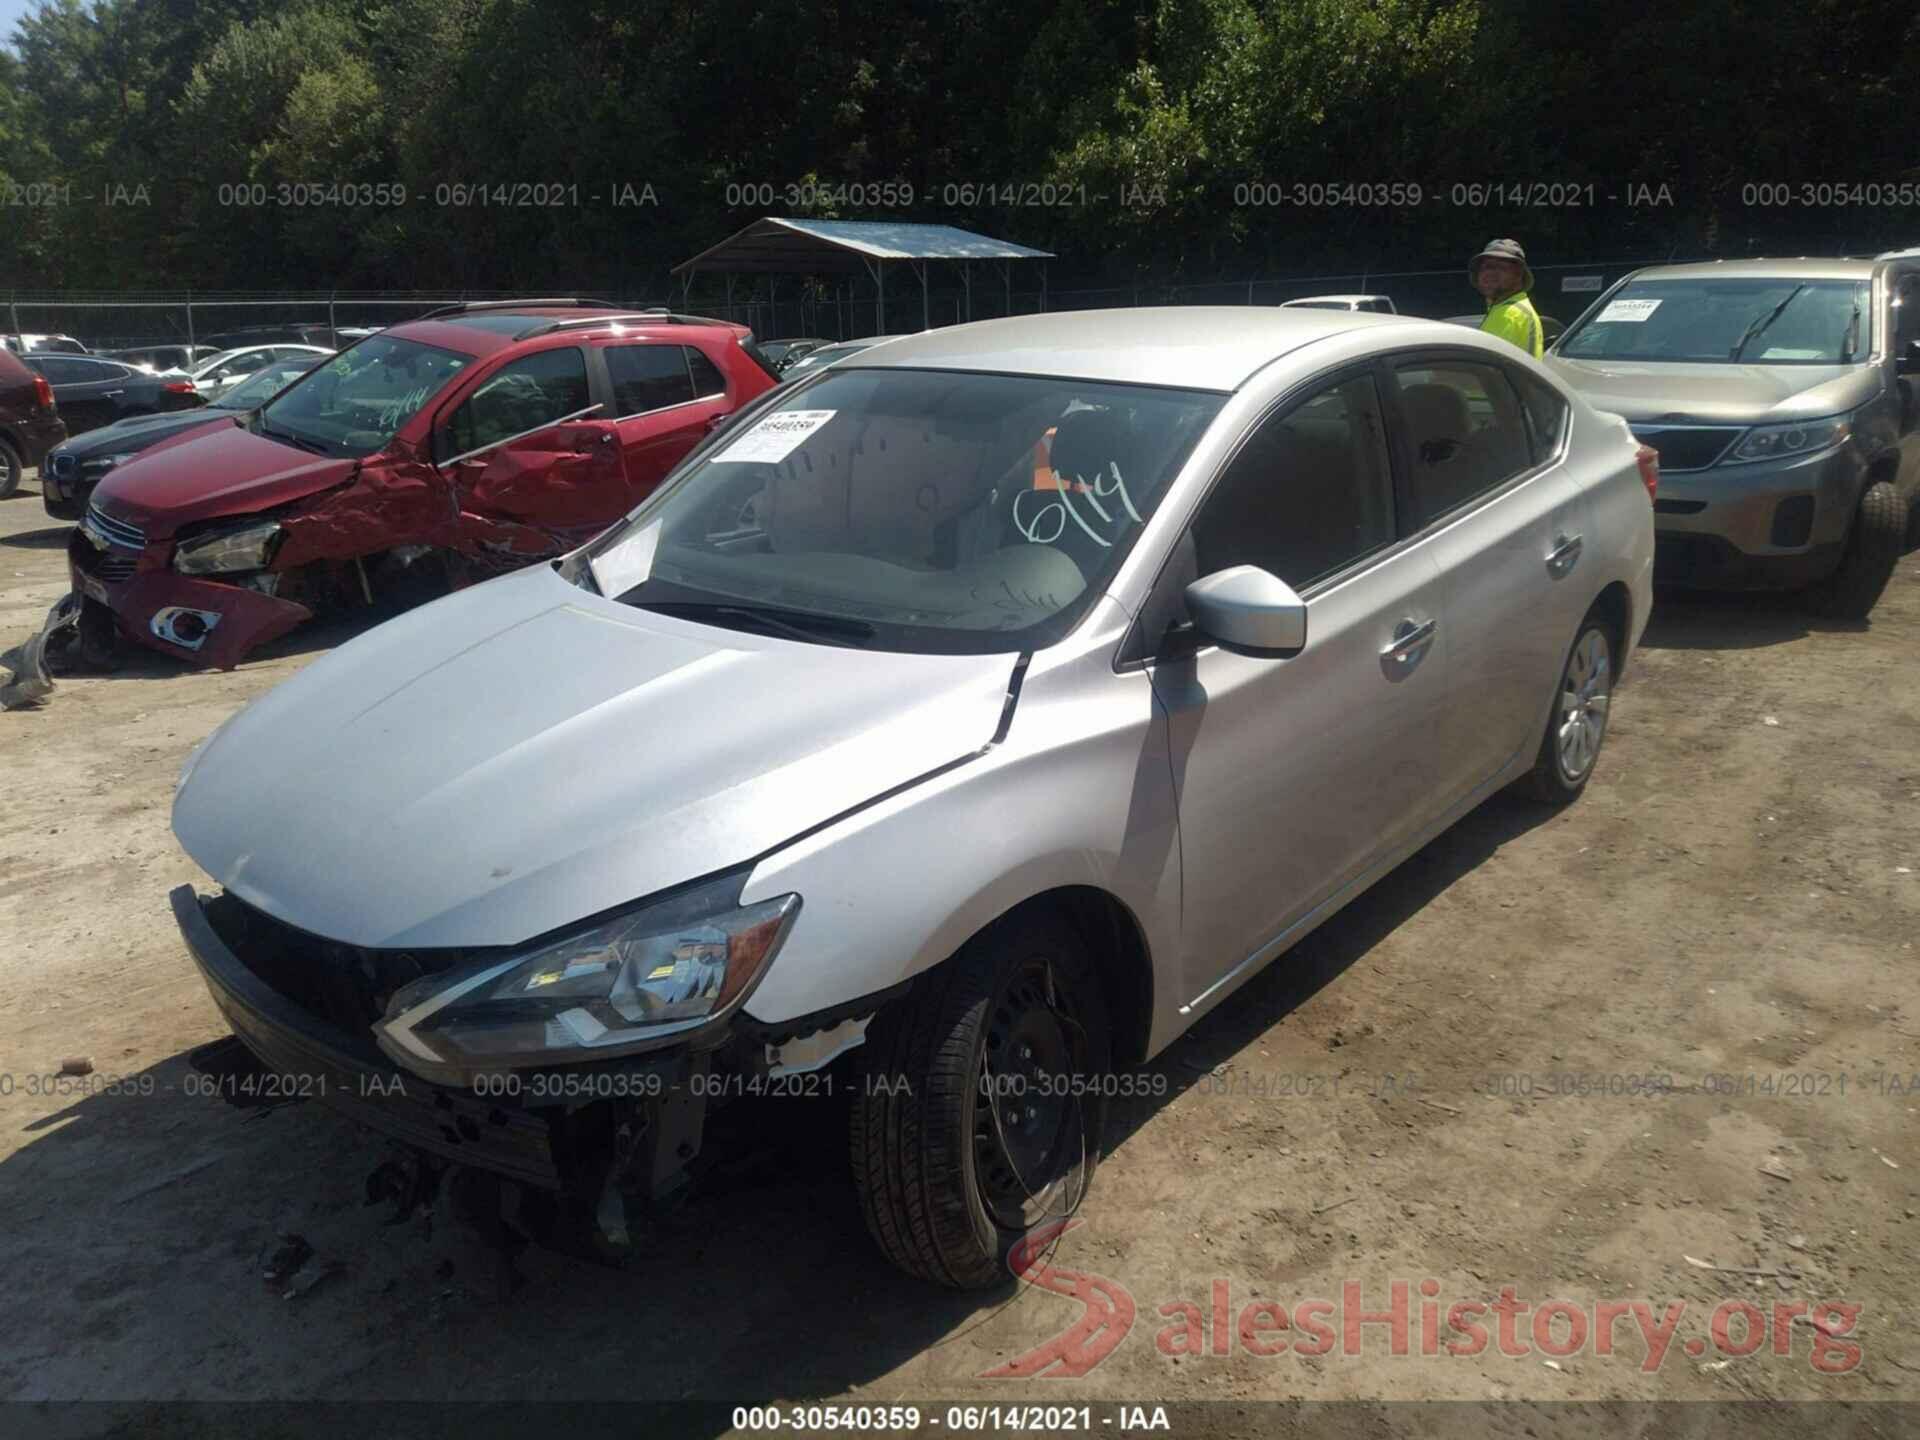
[(248, 548), (1801, 437), (620, 986), (99, 464)]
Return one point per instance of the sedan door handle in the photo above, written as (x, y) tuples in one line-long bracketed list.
[(1410, 640), (717, 421), (115, 394), (1566, 550)]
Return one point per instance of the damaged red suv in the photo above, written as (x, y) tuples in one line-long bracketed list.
[(494, 434)]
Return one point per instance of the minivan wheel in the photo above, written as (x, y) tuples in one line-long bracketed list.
[(12, 468), (1577, 725), (980, 1108), (1875, 542)]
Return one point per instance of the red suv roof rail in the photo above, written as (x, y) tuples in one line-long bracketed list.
[(630, 317), (459, 307)]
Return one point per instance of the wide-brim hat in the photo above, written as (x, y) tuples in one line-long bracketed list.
[(1502, 250)]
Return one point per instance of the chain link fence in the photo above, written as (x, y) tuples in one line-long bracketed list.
[(105, 320)]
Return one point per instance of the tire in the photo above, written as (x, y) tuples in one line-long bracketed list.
[(948, 1182), (1577, 724), (1875, 542), (12, 469)]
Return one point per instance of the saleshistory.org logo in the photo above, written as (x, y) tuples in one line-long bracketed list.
[(1406, 1325)]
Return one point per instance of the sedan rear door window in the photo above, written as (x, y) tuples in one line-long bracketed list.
[(1466, 434)]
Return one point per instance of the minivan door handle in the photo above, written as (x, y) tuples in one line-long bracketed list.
[(1566, 550), (1410, 640)]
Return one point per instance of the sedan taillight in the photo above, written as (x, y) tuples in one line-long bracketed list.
[(180, 387), (1648, 460), (42, 392)]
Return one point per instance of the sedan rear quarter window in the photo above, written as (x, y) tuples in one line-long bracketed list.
[(1546, 411)]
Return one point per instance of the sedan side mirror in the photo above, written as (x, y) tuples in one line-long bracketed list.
[(1249, 611)]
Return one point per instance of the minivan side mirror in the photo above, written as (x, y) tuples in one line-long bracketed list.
[(1249, 611)]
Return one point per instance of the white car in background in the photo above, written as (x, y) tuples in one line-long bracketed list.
[(1364, 304), (218, 374)]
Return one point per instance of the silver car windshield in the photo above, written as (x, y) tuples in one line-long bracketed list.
[(1783, 321), (910, 510), (353, 403)]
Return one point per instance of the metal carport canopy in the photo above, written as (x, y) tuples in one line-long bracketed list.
[(776, 245)]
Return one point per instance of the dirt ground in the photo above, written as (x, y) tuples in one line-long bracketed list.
[(1734, 904)]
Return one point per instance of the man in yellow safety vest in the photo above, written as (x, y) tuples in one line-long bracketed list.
[(1500, 274)]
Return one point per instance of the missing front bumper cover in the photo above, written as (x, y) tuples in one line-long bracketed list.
[(30, 682)]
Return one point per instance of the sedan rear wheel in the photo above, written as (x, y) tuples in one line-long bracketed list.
[(1578, 724)]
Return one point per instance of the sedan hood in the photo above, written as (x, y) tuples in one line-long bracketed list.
[(140, 431), (526, 754), (226, 471), (1644, 391)]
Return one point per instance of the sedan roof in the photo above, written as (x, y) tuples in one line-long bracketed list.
[(1187, 347)]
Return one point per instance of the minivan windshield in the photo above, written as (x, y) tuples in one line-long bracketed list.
[(917, 510), (353, 403), (1748, 321)]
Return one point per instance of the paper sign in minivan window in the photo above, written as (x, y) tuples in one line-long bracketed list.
[(1632, 312), (775, 437)]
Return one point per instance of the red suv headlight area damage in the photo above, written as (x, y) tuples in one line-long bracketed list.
[(211, 545)]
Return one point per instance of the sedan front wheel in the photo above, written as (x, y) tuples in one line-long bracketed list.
[(981, 1105)]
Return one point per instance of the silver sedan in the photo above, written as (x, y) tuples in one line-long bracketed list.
[(963, 722)]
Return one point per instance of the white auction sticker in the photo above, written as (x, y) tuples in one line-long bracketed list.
[(1631, 312), (775, 437)]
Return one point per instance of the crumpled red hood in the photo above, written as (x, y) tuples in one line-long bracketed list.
[(208, 474)]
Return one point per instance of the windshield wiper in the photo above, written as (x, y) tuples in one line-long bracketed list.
[(1850, 340), (300, 441), (795, 624), (1753, 330)]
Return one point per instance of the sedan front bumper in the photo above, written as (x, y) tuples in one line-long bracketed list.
[(607, 1144), (318, 1060)]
